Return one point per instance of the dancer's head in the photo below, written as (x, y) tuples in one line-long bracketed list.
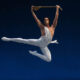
[(46, 21)]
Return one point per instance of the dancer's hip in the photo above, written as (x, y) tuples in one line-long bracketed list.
[(44, 41)]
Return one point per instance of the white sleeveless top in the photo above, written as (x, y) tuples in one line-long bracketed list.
[(47, 33), (48, 36)]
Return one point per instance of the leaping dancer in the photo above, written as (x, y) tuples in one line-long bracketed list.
[(47, 33)]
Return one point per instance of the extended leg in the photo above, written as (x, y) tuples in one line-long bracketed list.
[(34, 42), (45, 56)]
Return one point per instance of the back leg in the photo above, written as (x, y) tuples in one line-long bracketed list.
[(46, 52), (46, 56)]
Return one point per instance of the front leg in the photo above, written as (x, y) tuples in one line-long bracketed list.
[(34, 42)]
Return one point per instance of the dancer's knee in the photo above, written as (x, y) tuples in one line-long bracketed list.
[(49, 59)]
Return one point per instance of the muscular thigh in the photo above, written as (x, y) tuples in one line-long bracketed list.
[(46, 51)]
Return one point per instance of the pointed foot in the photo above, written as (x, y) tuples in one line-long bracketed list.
[(32, 52), (5, 39)]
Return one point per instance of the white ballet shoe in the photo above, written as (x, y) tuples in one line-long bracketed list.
[(5, 39), (32, 52)]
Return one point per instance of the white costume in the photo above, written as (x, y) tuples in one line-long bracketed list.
[(42, 42)]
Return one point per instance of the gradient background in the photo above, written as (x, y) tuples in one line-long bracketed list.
[(16, 21)]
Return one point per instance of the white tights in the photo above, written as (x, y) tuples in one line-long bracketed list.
[(36, 42)]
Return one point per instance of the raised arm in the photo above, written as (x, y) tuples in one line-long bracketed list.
[(55, 21), (36, 18)]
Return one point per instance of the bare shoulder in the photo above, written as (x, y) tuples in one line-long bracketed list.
[(41, 26)]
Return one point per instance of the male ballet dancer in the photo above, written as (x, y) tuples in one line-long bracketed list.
[(47, 33)]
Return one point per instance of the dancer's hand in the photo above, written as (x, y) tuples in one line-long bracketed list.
[(57, 6), (32, 7), (35, 8)]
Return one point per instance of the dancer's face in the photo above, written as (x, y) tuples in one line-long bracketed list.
[(46, 21)]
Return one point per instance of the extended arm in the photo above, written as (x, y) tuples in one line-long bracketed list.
[(55, 21), (36, 18)]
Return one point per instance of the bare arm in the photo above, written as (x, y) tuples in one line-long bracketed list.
[(55, 21), (36, 18)]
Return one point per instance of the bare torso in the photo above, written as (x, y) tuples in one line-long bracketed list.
[(50, 29)]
